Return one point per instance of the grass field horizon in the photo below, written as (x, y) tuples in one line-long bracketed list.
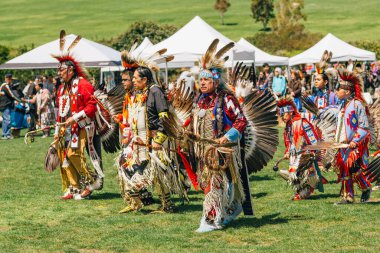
[(37, 22), (34, 219)]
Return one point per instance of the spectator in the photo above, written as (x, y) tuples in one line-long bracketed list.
[(268, 75), (261, 84), (18, 112), (279, 83), (350, 65), (7, 100), (48, 83), (294, 88), (44, 106)]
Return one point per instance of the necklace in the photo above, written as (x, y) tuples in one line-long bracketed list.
[(202, 112)]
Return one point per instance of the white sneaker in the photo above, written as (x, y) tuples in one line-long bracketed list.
[(77, 196)]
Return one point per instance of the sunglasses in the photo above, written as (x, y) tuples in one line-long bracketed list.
[(126, 80)]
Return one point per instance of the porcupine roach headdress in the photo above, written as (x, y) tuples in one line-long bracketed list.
[(131, 61), (212, 63), (352, 81), (286, 105), (66, 58)]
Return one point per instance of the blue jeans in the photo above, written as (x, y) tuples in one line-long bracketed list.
[(6, 127)]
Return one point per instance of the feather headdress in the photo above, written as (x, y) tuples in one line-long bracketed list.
[(212, 63), (66, 58), (131, 60), (324, 62), (286, 105)]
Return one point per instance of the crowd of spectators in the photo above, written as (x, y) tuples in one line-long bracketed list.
[(300, 81), (31, 107)]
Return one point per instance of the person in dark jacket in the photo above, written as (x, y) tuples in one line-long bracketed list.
[(7, 100), (295, 88)]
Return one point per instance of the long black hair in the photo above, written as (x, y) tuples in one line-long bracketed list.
[(146, 72)]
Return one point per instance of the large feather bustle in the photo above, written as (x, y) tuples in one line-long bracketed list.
[(181, 105), (309, 105), (240, 81), (109, 130), (324, 122), (374, 111), (372, 172), (261, 135)]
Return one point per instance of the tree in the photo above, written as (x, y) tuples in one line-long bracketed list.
[(139, 30), (289, 16), (222, 6), (262, 11), (288, 34)]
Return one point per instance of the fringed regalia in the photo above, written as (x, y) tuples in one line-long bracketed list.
[(229, 140), (303, 168), (139, 166), (217, 115), (324, 98), (352, 126), (75, 99)]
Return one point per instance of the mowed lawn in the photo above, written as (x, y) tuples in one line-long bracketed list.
[(39, 21), (34, 219)]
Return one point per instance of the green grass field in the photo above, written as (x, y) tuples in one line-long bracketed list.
[(39, 21), (34, 219)]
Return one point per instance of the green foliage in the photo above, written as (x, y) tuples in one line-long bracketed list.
[(222, 6), (289, 16), (262, 11), (4, 54), (140, 30), (288, 33), (373, 46)]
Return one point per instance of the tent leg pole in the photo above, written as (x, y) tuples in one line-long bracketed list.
[(166, 72)]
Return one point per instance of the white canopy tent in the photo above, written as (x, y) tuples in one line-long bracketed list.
[(88, 53), (145, 44), (262, 57), (190, 42), (341, 51)]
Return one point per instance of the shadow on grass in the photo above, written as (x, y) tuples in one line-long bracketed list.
[(188, 208), (323, 196), (270, 219), (106, 195), (231, 24), (259, 195), (260, 178)]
